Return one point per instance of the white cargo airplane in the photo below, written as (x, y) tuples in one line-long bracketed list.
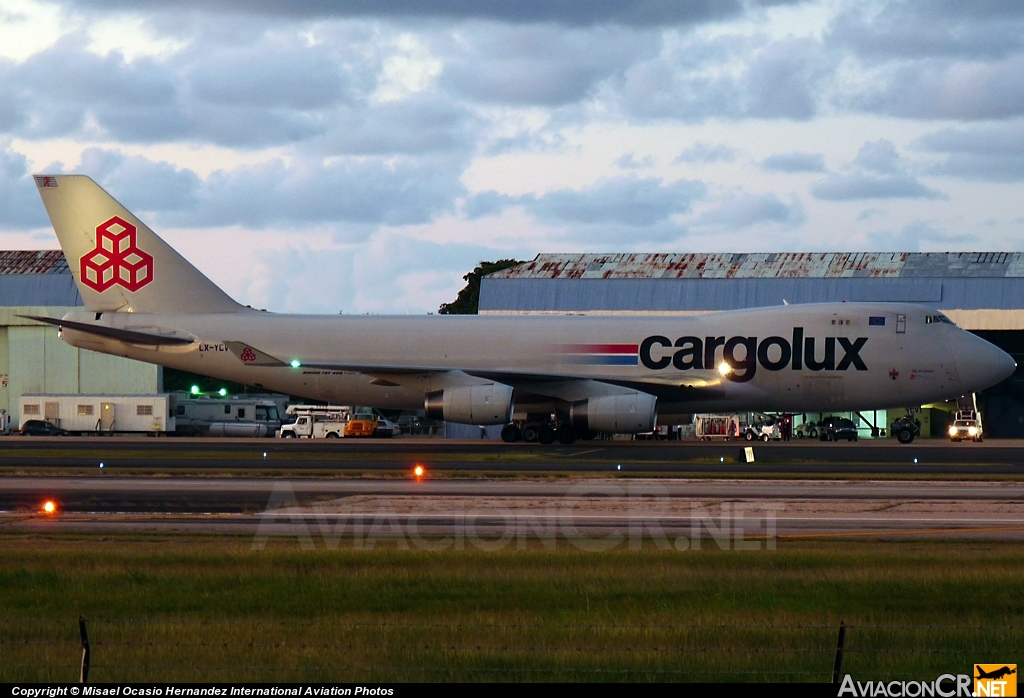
[(544, 377)]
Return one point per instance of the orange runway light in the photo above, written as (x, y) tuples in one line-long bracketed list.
[(49, 507)]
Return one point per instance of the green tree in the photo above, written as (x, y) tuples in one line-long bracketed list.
[(468, 300)]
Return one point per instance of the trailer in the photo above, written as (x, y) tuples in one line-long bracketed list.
[(716, 426), (102, 414), (235, 415), (750, 426)]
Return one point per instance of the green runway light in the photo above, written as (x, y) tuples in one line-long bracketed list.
[(295, 363), (194, 390), (222, 392)]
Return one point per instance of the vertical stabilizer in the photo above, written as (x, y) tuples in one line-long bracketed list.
[(117, 261)]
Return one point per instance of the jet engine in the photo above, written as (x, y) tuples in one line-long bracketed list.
[(471, 404), (622, 414)]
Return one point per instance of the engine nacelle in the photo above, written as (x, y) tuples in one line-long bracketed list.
[(620, 414), (471, 404)]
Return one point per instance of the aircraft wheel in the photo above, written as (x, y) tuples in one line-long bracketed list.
[(530, 433), (905, 436), (566, 435), (510, 433), (546, 436)]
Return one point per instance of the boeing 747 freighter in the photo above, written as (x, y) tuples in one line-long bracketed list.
[(565, 377)]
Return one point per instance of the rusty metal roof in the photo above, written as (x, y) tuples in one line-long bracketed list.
[(33, 262), (769, 265)]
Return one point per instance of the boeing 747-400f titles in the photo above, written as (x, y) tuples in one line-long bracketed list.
[(564, 377)]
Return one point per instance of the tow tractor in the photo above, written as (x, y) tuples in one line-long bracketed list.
[(905, 429)]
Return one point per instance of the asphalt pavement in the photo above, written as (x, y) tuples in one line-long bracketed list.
[(591, 512), (795, 458)]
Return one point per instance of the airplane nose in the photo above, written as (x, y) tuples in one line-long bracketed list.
[(980, 364)]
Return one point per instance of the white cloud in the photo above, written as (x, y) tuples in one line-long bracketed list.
[(878, 172), (364, 156)]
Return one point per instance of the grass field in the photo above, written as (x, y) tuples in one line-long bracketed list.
[(203, 608)]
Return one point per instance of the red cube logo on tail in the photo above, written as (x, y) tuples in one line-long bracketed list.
[(117, 259)]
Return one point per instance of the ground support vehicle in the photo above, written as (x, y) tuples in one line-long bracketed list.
[(308, 426), (966, 427), (101, 414), (905, 429), (761, 432), (327, 422)]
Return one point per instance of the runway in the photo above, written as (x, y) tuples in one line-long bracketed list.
[(797, 458), (482, 512)]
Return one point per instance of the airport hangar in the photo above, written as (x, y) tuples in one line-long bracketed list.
[(33, 359), (981, 291)]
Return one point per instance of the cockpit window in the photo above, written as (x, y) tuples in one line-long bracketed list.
[(929, 319)]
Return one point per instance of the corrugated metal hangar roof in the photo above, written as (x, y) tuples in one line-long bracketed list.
[(769, 265), (979, 290), (33, 262), (36, 278)]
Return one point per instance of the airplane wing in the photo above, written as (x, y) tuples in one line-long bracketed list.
[(548, 385)]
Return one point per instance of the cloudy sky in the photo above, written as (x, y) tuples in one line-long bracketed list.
[(362, 155)]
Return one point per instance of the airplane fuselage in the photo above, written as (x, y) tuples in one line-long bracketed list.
[(802, 358)]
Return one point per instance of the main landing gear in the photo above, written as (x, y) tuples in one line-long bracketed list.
[(542, 432)]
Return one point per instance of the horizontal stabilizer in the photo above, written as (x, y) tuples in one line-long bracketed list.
[(129, 336)]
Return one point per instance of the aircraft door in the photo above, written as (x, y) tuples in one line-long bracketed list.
[(901, 324)]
